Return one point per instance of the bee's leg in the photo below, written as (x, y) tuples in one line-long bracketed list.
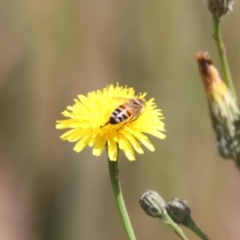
[(131, 120), (105, 124)]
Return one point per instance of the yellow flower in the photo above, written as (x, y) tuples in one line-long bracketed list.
[(88, 120)]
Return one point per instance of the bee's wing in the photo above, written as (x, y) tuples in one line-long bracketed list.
[(122, 99)]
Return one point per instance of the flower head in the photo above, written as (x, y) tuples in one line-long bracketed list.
[(224, 110), (223, 105), (153, 204), (179, 211), (220, 7), (90, 125)]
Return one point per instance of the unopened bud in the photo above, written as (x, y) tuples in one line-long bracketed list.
[(179, 211), (220, 7), (152, 203)]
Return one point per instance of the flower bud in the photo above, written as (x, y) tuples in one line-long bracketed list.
[(178, 211), (224, 110), (220, 7), (152, 203)]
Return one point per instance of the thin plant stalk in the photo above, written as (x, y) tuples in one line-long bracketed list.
[(191, 225), (167, 219), (116, 187), (222, 55)]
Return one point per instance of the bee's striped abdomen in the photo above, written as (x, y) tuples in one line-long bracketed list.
[(127, 112), (119, 115)]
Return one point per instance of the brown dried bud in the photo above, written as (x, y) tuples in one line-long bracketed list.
[(224, 110), (222, 104)]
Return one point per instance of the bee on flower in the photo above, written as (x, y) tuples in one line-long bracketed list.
[(129, 111), (114, 117)]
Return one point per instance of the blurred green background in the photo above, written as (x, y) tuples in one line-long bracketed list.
[(50, 51)]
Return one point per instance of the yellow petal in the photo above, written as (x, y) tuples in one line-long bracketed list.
[(127, 148), (84, 100), (99, 146), (156, 133), (75, 134), (143, 139), (133, 142), (112, 149), (82, 143)]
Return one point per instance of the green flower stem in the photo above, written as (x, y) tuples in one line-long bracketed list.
[(168, 220), (222, 55), (113, 171), (191, 225)]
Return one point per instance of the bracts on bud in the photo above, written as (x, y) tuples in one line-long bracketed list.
[(152, 203), (220, 7)]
